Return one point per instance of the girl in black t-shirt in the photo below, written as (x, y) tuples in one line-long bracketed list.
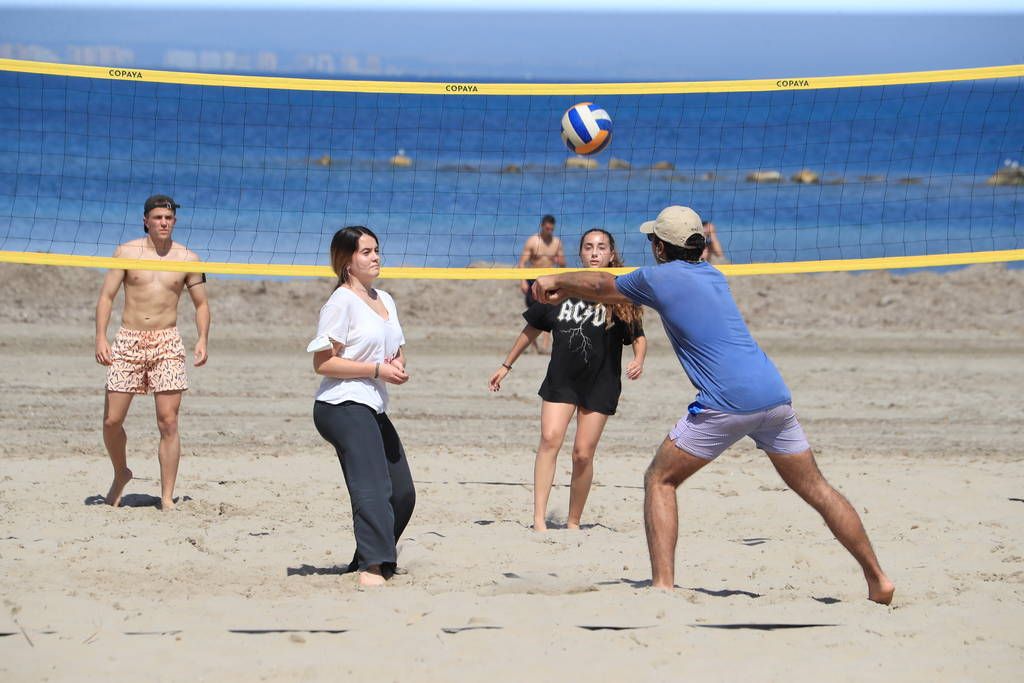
[(583, 377)]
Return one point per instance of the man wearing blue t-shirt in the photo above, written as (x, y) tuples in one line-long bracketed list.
[(739, 390)]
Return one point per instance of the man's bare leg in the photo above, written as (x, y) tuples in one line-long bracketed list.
[(167, 405), (670, 468), (534, 345), (115, 409), (554, 421), (541, 344), (801, 474), (589, 426)]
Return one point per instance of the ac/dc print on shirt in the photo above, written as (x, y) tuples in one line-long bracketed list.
[(586, 353)]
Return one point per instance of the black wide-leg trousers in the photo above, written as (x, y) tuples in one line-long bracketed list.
[(376, 474)]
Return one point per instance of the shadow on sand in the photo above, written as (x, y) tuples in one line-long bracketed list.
[(134, 500), (556, 525), (310, 570), (760, 627), (826, 600), (725, 593)]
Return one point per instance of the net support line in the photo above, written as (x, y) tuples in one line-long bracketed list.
[(417, 273), (469, 88)]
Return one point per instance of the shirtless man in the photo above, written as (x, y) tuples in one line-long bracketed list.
[(148, 354), (542, 250), (713, 252)]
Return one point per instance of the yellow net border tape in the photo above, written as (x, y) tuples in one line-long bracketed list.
[(469, 88), (417, 273)]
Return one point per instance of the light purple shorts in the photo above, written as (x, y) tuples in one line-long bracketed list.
[(708, 433)]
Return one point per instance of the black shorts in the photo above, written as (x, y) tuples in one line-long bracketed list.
[(600, 394)]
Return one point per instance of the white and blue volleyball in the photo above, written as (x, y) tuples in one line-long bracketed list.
[(586, 129)]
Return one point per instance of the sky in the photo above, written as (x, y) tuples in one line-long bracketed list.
[(756, 6), (544, 40)]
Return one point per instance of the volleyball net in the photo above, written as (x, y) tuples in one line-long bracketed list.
[(798, 174)]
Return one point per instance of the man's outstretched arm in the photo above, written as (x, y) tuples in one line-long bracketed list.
[(599, 287)]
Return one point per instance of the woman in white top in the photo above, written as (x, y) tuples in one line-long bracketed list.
[(358, 350)]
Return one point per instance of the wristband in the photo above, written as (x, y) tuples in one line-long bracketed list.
[(376, 371), (507, 366)]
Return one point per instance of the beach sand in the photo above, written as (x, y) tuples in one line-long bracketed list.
[(909, 387)]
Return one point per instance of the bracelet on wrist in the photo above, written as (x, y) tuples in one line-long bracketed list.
[(507, 366), (376, 371)]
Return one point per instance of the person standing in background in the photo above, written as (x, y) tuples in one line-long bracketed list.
[(542, 250)]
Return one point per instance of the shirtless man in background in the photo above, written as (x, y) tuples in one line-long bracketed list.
[(148, 354), (542, 250), (713, 251)]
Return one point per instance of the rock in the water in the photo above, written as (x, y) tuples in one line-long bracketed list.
[(401, 161), (581, 162), (1007, 175), (764, 177), (806, 177)]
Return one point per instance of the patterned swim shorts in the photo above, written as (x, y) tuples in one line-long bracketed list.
[(147, 360)]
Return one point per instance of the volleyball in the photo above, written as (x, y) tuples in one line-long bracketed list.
[(586, 129)]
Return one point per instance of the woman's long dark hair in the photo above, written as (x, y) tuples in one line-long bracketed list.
[(343, 246), (630, 314)]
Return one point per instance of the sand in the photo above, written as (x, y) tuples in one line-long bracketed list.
[(908, 386)]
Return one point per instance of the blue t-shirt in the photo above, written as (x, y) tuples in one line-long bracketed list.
[(710, 338)]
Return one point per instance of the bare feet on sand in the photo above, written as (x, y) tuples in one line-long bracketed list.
[(540, 526), (881, 590), (121, 480), (372, 577), (166, 504)]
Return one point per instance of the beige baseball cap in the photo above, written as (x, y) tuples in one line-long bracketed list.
[(675, 224)]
